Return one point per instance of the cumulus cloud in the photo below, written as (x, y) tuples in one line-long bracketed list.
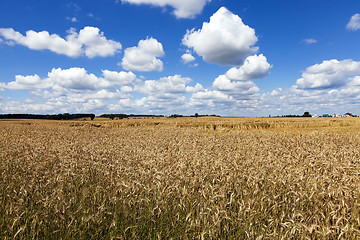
[(120, 78), (96, 44), (76, 78), (182, 8), (71, 79), (144, 57), (187, 58), (150, 104), (225, 40), (254, 67), (234, 90), (236, 85), (165, 87), (165, 95), (25, 83), (70, 90), (43, 40), (237, 90), (328, 74), (89, 42), (354, 23), (210, 97)]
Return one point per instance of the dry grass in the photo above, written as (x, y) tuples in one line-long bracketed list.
[(205, 178)]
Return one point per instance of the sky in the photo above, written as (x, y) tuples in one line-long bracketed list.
[(223, 57)]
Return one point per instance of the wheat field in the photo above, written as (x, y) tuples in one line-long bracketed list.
[(188, 178)]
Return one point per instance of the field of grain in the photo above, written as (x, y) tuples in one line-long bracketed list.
[(190, 178)]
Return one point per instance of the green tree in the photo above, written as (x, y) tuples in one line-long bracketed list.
[(307, 114)]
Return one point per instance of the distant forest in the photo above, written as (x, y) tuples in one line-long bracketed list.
[(121, 115), (68, 116), (64, 116)]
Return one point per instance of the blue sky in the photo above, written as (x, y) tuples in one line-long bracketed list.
[(226, 57)]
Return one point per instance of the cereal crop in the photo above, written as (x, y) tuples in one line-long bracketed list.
[(190, 178)]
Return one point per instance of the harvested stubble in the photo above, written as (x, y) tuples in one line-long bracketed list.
[(180, 179)]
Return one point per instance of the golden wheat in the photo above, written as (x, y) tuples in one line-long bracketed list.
[(204, 178)]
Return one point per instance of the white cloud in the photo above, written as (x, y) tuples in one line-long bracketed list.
[(328, 74), (354, 23), (100, 94), (166, 95), (61, 80), (25, 83), (197, 88), (310, 40), (69, 90), (182, 8), (89, 42), (211, 100), (143, 58), (127, 89), (225, 40), (120, 78), (150, 104), (355, 81), (254, 67), (72, 19), (76, 90), (236, 89), (43, 40), (164, 87), (76, 78), (96, 44), (187, 57)]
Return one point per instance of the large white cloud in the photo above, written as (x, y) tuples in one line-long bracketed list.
[(95, 43), (144, 57), (120, 78), (237, 84), (89, 42), (328, 74), (225, 40), (25, 83), (165, 95), (240, 89), (76, 78), (71, 79), (166, 87), (354, 23), (69, 90), (182, 8), (254, 67)]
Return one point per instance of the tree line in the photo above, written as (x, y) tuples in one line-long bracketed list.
[(122, 116), (64, 116)]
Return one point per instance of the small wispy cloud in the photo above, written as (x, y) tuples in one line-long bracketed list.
[(91, 15), (73, 6), (72, 19), (310, 41)]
